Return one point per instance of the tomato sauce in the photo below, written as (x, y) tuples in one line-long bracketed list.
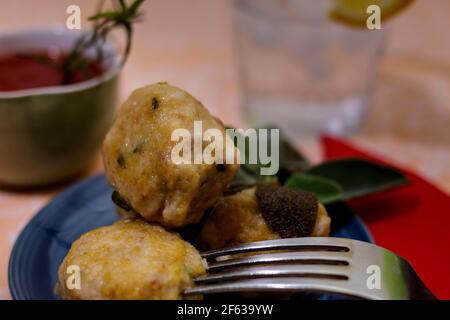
[(40, 69)]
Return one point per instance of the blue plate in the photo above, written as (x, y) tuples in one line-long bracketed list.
[(44, 242)]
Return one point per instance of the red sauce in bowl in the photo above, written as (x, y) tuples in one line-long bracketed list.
[(40, 69)]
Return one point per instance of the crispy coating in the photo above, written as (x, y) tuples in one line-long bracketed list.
[(130, 259), (238, 219), (323, 223), (137, 157)]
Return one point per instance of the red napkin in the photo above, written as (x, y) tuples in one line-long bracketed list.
[(412, 221)]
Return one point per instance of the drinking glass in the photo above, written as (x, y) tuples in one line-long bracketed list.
[(301, 71)]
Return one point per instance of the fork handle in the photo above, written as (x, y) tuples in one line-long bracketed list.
[(417, 288)]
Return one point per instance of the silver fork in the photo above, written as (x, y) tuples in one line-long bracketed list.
[(326, 265)]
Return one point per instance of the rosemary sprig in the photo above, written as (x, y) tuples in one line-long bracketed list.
[(104, 22)]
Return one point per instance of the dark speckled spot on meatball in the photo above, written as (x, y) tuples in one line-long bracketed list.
[(155, 103), (121, 161), (289, 212)]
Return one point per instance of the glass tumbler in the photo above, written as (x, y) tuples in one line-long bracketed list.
[(301, 71)]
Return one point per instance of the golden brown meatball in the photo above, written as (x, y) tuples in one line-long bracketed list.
[(238, 219), (130, 259), (323, 223), (137, 157)]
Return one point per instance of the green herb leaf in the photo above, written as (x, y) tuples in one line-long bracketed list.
[(290, 160), (358, 177), (105, 23), (123, 5), (104, 15), (326, 190), (134, 7)]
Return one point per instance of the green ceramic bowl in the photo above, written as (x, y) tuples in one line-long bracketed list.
[(50, 134)]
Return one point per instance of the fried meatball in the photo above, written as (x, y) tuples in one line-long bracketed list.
[(323, 223), (238, 219), (130, 259), (138, 164)]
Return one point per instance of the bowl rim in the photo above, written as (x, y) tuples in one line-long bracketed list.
[(61, 89)]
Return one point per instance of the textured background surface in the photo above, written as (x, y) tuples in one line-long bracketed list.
[(189, 44)]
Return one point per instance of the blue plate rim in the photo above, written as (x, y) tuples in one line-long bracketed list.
[(366, 230), (20, 239)]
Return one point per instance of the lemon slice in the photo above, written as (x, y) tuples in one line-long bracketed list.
[(354, 12)]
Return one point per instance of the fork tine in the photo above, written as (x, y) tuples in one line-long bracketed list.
[(316, 243), (321, 258), (279, 285), (326, 271)]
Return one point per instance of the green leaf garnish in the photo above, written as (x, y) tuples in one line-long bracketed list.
[(290, 161), (290, 158), (132, 10), (104, 24), (326, 190), (104, 15), (331, 181), (358, 177)]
